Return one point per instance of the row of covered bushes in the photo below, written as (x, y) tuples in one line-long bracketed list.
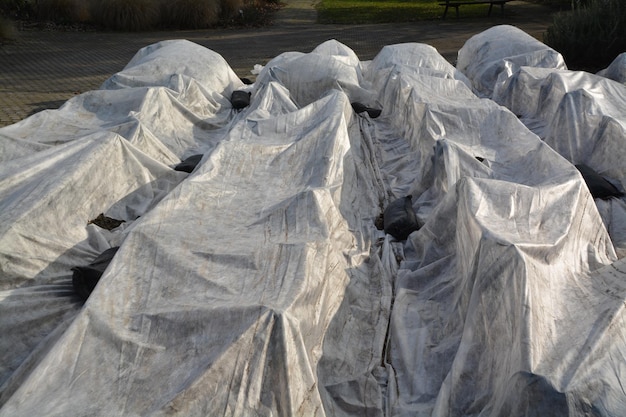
[(136, 15)]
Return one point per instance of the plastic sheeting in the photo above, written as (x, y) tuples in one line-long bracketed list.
[(260, 285)]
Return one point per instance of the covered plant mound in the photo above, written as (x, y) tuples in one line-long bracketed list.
[(250, 277)]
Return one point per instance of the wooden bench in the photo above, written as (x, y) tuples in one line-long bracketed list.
[(456, 4)]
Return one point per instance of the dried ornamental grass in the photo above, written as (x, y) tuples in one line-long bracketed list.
[(63, 11), (193, 14), (130, 15)]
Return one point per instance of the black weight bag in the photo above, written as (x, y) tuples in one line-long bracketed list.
[(597, 184), (360, 108), (240, 99), (189, 164), (85, 278), (399, 219)]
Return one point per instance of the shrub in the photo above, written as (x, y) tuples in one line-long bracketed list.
[(257, 12), (16, 9), (229, 9), (591, 35), (136, 15), (7, 29), (131, 15), (62, 11), (192, 14)]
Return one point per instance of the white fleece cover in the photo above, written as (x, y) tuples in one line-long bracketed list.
[(578, 114), (259, 284), (500, 51), (616, 71)]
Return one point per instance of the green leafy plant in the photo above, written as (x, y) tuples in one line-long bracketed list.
[(591, 35)]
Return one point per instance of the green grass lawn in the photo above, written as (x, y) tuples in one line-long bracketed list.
[(383, 11)]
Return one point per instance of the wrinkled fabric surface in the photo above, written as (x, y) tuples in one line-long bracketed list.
[(261, 283), (616, 71), (500, 51), (581, 116)]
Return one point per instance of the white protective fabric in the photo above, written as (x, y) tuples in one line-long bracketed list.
[(259, 284), (500, 51), (616, 71), (580, 115)]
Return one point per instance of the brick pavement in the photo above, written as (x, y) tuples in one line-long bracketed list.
[(41, 70)]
